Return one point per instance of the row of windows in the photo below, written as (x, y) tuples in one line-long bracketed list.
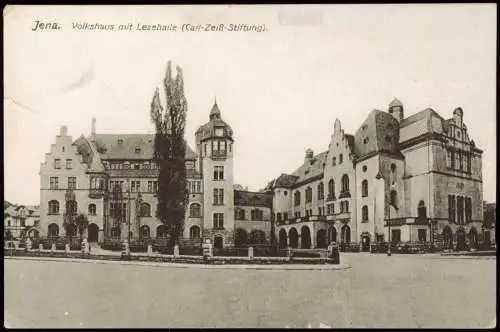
[(459, 209), (54, 182), (130, 165), (458, 160), (219, 148), (69, 163), (194, 187), (320, 189), (330, 210), (255, 214), (341, 159)]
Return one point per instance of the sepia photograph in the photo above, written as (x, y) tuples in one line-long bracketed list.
[(250, 166)]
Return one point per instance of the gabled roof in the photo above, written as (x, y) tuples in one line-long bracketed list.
[(311, 168), (285, 181), (249, 198), (378, 133), (129, 146)]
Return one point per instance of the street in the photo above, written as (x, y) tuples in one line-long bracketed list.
[(426, 291)]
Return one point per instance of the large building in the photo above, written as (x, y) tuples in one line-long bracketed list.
[(112, 180), (397, 179), (20, 220)]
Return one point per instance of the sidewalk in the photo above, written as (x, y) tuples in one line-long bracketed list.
[(341, 266)]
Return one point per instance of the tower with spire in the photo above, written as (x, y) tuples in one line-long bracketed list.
[(214, 145)]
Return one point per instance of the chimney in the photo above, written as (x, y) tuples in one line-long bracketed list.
[(92, 133), (64, 131)]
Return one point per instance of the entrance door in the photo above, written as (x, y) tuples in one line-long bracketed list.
[(218, 242), (93, 232), (461, 241), (365, 243)]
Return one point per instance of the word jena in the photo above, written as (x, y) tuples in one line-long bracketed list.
[(38, 25)]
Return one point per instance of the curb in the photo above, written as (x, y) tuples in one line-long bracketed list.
[(325, 267)]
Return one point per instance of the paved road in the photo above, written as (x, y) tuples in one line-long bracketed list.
[(378, 291)]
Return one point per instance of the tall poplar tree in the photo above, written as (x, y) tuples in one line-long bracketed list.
[(169, 153)]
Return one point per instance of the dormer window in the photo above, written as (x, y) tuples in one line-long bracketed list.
[(120, 141), (219, 131)]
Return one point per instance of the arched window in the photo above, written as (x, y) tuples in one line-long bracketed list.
[(92, 210), (422, 211), (334, 161), (53, 230), (194, 233), (345, 183), (309, 195), (53, 207), (239, 214), (331, 189), (144, 232), (364, 214), (297, 197), (364, 188), (257, 237), (195, 210), (278, 217), (145, 210), (71, 207), (394, 198), (321, 191), (161, 232)]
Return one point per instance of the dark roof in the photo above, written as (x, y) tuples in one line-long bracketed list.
[(285, 181), (311, 168), (242, 197), (208, 129), (371, 136), (422, 115), (129, 146)]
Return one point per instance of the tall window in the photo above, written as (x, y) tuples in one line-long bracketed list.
[(218, 172), (309, 195), (452, 159), (345, 183), (297, 198), (422, 211), (460, 161), (57, 163), (145, 210), (239, 214), (364, 188), (394, 198), (135, 186), (195, 210), (194, 232), (460, 210), (364, 214), (451, 208), (341, 158), (69, 163), (54, 182), (53, 207), (218, 196), (72, 182), (422, 235), (448, 158), (331, 189), (468, 209), (153, 186), (334, 161), (92, 210), (218, 220), (53, 230), (321, 191), (118, 211)]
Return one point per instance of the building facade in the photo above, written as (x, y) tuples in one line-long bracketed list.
[(20, 220), (112, 181), (397, 179)]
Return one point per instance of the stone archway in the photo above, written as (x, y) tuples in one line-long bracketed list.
[(305, 235), (282, 239), (293, 237), (321, 239), (93, 233), (241, 238), (346, 234), (461, 240)]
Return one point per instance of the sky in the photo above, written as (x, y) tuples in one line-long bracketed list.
[(280, 90)]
